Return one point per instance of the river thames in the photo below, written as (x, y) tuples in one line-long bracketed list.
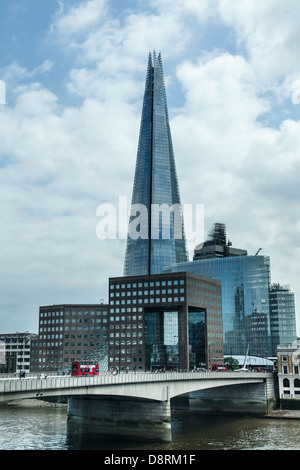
[(47, 428)]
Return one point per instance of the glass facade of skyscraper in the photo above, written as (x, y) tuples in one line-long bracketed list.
[(283, 319), (245, 300), (156, 234)]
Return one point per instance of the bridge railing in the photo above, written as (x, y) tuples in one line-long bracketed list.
[(32, 384)]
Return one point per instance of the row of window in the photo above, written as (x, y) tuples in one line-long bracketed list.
[(147, 301), (11, 340), (127, 310), (127, 342), (295, 357), (148, 292), (60, 336), (74, 328), (134, 334), (286, 383), (53, 321), (51, 314), (125, 351), (73, 312), (73, 320), (124, 326), (285, 370), (127, 317), (134, 285), (54, 360)]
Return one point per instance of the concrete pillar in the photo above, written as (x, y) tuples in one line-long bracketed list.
[(121, 417), (251, 399)]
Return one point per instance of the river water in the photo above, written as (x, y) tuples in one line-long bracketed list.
[(46, 428)]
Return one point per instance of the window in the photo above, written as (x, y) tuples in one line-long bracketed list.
[(297, 383)]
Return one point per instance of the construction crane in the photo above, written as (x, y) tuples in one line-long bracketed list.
[(258, 251)]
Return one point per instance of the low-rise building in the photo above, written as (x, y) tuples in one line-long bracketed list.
[(68, 332), (15, 352), (289, 371)]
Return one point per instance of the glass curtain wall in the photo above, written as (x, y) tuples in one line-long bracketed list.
[(162, 338), (245, 300), (161, 331), (197, 339)]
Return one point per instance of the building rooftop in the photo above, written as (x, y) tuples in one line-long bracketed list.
[(217, 245)]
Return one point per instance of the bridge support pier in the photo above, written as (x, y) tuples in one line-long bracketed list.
[(121, 417), (252, 399)]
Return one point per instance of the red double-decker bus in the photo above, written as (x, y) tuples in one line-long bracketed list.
[(218, 367), (79, 368)]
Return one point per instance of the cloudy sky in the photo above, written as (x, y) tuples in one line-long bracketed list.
[(74, 74)]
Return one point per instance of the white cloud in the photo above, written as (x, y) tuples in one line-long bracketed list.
[(200, 10), (120, 44), (269, 30), (60, 165), (15, 72), (59, 162), (79, 19)]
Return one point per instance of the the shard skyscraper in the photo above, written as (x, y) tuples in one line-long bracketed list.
[(156, 231)]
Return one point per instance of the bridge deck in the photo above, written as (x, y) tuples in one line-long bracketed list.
[(146, 385)]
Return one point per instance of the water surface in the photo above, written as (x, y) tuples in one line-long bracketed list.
[(47, 429)]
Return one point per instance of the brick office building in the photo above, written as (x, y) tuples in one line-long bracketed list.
[(170, 321), (68, 332)]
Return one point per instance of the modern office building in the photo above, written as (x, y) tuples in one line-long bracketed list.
[(156, 233), (164, 321), (282, 315), (15, 352), (68, 332), (245, 292)]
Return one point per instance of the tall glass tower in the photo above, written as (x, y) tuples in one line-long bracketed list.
[(156, 232)]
